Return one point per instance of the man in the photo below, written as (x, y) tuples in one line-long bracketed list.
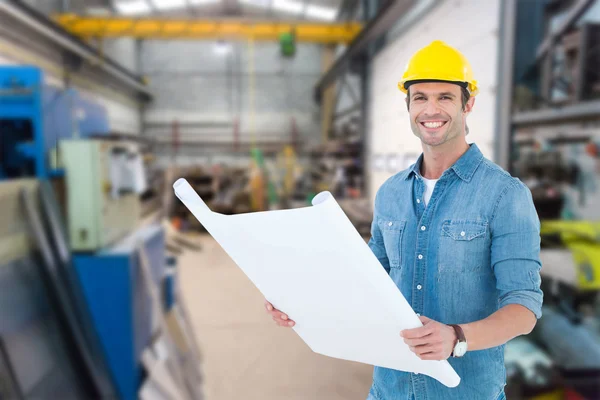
[(459, 236)]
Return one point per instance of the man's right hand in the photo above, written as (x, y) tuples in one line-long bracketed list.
[(279, 317)]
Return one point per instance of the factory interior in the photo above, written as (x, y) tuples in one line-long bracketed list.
[(110, 288)]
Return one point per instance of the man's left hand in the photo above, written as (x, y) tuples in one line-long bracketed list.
[(432, 341)]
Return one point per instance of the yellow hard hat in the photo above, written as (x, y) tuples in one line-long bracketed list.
[(438, 62)]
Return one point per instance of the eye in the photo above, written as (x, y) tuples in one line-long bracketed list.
[(445, 98), (418, 98)]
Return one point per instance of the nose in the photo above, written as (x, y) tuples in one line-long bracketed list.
[(431, 107)]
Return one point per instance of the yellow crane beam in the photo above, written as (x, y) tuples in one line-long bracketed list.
[(146, 28)]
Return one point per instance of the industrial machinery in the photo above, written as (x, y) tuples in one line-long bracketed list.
[(104, 180), (35, 120), (35, 116), (80, 331)]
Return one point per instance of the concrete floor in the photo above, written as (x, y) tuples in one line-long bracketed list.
[(245, 355)]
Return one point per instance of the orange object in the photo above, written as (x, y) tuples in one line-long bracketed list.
[(176, 222), (592, 149)]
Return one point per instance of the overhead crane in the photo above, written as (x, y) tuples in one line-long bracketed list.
[(160, 28)]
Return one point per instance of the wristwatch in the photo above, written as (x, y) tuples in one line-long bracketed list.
[(461, 346)]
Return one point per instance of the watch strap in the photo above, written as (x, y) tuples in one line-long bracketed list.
[(460, 334)]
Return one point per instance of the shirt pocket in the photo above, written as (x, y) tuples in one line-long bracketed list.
[(392, 232), (464, 246)]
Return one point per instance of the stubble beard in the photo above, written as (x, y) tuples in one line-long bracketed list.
[(451, 132)]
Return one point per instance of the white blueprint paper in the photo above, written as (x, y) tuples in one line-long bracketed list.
[(312, 264)]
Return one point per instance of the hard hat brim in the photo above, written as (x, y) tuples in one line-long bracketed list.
[(407, 84), (403, 86)]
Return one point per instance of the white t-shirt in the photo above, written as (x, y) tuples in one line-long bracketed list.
[(429, 186)]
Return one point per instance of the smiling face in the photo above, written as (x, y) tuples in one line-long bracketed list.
[(437, 115)]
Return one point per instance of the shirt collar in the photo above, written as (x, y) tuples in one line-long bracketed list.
[(464, 167)]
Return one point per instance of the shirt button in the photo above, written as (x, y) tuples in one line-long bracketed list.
[(419, 287), (390, 223), (418, 200), (462, 233), (423, 228), (420, 256)]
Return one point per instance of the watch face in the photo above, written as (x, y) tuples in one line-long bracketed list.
[(460, 349)]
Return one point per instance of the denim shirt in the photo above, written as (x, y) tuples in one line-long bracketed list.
[(473, 249)]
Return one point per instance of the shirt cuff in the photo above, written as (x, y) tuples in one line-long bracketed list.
[(532, 300)]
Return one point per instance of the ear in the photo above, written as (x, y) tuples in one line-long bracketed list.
[(407, 103), (469, 106)]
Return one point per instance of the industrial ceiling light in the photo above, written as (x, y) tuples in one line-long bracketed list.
[(163, 5), (288, 6), (222, 48), (320, 12), (131, 7), (98, 11), (257, 3)]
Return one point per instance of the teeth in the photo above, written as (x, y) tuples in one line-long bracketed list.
[(433, 124)]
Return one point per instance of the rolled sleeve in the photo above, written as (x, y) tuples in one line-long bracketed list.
[(515, 251), (376, 241)]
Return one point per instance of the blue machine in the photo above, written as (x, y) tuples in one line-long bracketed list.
[(35, 116), (120, 304)]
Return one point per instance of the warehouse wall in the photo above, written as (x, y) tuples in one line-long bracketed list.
[(209, 93), (124, 51), (392, 144)]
